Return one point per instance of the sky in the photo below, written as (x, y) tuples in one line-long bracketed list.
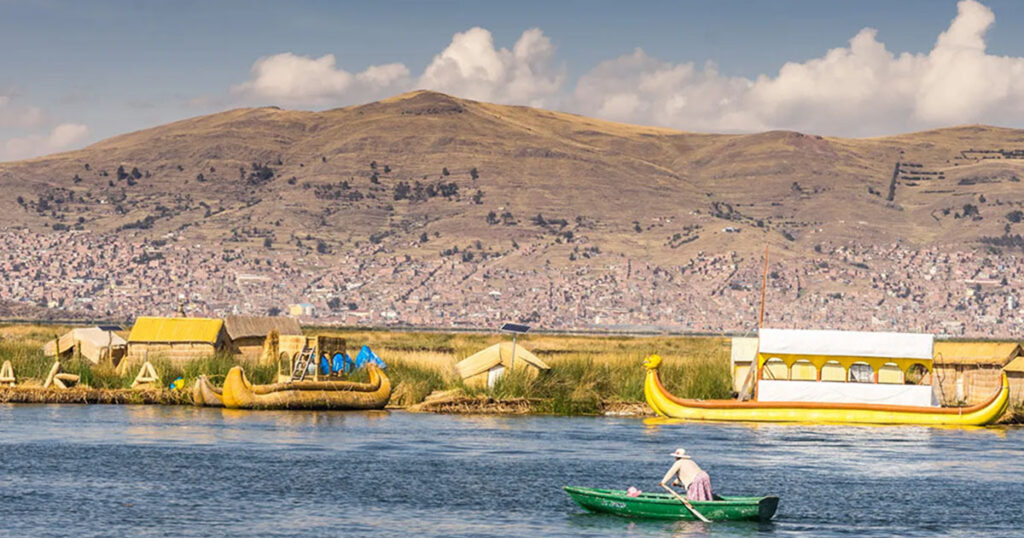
[(73, 73)]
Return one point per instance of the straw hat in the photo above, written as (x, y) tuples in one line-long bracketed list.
[(680, 453)]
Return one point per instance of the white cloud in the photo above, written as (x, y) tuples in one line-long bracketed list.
[(860, 89), (384, 76), (61, 137), (471, 67), (301, 80)]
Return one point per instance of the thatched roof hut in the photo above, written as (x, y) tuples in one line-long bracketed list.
[(488, 365), (176, 338), (248, 334), (971, 371), (94, 343)]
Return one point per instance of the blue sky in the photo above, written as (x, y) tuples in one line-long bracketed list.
[(102, 68)]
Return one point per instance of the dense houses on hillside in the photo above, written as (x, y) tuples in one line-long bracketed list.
[(851, 286)]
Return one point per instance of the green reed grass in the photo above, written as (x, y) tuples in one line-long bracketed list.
[(411, 383), (582, 384), (26, 359)]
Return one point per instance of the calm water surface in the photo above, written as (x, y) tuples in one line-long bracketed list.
[(134, 470)]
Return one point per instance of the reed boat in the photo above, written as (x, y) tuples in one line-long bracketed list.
[(665, 506), (239, 393), (835, 377), (205, 393)]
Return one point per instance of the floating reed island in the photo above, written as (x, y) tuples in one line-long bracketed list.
[(464, 373), (427, 371)]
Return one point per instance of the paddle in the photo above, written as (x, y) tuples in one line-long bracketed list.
[(687, 504)]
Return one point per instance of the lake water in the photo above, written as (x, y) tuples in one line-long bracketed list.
[(137, 470)]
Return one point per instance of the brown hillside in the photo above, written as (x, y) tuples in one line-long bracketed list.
[(249, 174)]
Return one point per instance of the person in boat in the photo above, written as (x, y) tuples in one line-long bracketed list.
[(687, 473)]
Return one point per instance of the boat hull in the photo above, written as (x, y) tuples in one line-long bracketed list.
[(667, 405), (238, 393), (665, 506)]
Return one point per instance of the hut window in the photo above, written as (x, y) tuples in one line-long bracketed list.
[(803, 370), (861, 372), (917, 374), (833, 371), (774, 368), (890, 373)]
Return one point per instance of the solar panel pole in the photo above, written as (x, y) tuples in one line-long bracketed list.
[(513, 367), (515, 329)]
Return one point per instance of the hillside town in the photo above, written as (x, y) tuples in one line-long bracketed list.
[(849, 286)]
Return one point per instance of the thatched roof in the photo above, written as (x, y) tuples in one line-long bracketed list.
[(259, 326), (97, 336), (976, 353), (486, 359), (176, 330), (1016, 366)]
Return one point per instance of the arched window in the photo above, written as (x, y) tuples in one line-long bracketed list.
[(890, 373), (803, 370), (833, 371), (917, 374), (861, 372), (284, 361), (774, 368)]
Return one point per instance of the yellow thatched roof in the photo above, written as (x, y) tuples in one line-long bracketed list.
[(176, 330), (976, 353), (486, 359)]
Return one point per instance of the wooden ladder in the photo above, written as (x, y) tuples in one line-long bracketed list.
[(306, 358)]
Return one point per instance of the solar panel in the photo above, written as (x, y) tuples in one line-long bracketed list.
[(515, 328), (113, 328)]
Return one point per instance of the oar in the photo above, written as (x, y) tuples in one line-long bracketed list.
[(687, 504)]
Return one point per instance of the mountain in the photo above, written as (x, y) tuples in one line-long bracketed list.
[(428, 176), (292, 173)]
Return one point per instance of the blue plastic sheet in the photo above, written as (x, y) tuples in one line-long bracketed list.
[(342, 363), (367, 356)]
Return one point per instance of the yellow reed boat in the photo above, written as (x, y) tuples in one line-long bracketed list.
[(834, 377), (239, 393)]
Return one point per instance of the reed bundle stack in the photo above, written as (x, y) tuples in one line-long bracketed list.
[(7, 377), (57, 379)]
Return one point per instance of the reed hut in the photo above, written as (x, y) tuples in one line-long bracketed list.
[(744, 350), (248, 334), (970, 372), (1015, 373), (93, 343), (486, 367), (176, 338)]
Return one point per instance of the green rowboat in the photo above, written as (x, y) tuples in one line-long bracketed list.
[(665, 506)]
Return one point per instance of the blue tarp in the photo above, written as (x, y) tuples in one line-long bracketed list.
[(367, 356), (342, 363)]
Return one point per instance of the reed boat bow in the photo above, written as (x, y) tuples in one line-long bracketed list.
[(205, 393)]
